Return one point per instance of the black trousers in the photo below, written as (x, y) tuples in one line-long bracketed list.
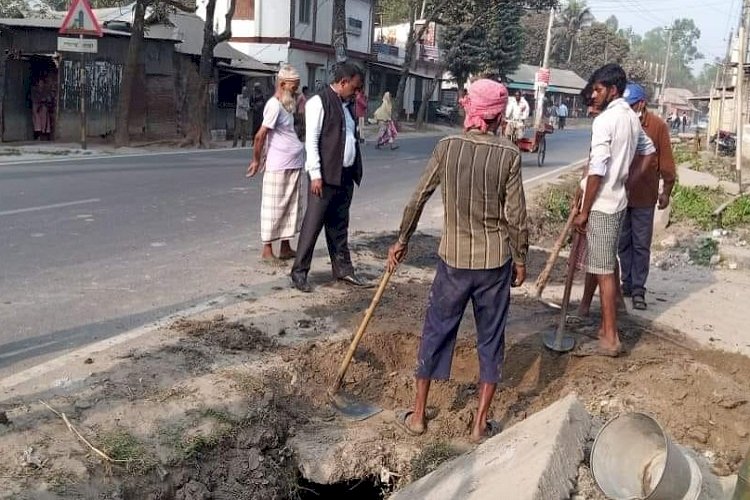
[(329, 211)]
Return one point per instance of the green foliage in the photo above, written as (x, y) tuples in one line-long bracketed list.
[(482, 37), (534, 27), (653, 47), (432, 456), (599, 45), (556, 202), (122, 446), (737, 213), (703, 250), (695, 204), (682, 154)]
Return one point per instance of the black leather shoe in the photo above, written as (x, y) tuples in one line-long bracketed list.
[(354, 280), (300, 283)]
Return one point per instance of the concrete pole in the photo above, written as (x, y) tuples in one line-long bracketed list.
[(723, 88), (540, 92), (739, 101), (666, 69)]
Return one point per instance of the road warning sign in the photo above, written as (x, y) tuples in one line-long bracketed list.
[(80, 20)]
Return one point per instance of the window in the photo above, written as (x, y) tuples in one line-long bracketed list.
[(244, 10), (305, 9)]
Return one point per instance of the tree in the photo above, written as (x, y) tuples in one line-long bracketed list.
[(653, 47), (612, 23), (486, 38), (198, 135), (339, 30), (570, 22), (135, 47), (534, 28), (599, 45)]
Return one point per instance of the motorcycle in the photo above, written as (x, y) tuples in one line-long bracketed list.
[(448, 114), (726, 141)]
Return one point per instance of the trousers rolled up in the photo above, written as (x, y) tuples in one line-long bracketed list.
[(635, 248), (329, 211), (452, 289)]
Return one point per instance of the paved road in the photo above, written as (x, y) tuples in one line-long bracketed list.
[(90, 248)]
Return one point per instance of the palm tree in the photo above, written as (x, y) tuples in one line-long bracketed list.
[(571, 20)]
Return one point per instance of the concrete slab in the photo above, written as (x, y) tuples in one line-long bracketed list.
[(693, 178), (536, 459)]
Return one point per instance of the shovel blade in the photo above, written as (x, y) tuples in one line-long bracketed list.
[(558, 343), (351, 408)]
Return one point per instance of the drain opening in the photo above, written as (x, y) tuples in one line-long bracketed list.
[(368, 488)]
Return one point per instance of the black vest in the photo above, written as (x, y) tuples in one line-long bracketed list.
[(333, 140)]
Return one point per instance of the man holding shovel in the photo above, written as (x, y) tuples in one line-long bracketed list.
[(615, 138), (482, 251)]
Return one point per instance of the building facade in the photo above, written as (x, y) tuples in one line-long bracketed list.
[(297, 32)]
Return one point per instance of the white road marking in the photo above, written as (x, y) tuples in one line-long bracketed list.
[(556, 171), (49, 207)]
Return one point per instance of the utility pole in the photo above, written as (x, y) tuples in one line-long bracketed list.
[(666, 69), (723, 88), (541, 89), (714, 88), (739, 101)]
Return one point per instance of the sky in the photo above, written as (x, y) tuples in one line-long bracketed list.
[(713, 17)]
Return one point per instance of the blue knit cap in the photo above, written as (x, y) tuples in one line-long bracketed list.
[(634, 93)]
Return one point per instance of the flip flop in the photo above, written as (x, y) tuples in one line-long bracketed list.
[(493, 428), (639, 302), (594, 349), (577, 320), (401, 417), (291, 256)]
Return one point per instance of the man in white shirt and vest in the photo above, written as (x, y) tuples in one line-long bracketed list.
[(615, 136), (334, 164)]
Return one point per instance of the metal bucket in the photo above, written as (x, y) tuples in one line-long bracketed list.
[(633, 458)]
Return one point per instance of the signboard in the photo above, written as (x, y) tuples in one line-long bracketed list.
[(80, 20), (542, 77), (87, 45)]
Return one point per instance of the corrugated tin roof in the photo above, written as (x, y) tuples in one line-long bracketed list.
[(188, 28), (54, 23), (561, 78)]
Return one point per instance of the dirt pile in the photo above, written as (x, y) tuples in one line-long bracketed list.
[(214, 411)]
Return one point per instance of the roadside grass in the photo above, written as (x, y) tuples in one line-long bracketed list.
[(696, 204), (123, 446)]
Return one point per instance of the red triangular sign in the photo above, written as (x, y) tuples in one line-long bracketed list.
[(80, 20)]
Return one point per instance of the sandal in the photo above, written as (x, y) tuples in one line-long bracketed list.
[(594, 349), (578, 320), (639, 302), (491, 429), (401, 421)]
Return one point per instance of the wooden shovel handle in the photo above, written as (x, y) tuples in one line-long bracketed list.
[(360, 332), (541, 282)]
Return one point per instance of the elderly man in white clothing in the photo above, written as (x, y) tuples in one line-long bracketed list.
[(278, 150), (616, 137), (516, 115)]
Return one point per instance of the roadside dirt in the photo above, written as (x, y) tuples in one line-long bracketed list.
[(216, 410)]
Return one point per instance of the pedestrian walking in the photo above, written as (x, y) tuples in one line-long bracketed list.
[(278, 151), (360, 105), (257, 105), (482, 251), (242, 117), (334, 164), (643, 197), (684, 122), (562, 116), (614, 143), (388, 131)]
